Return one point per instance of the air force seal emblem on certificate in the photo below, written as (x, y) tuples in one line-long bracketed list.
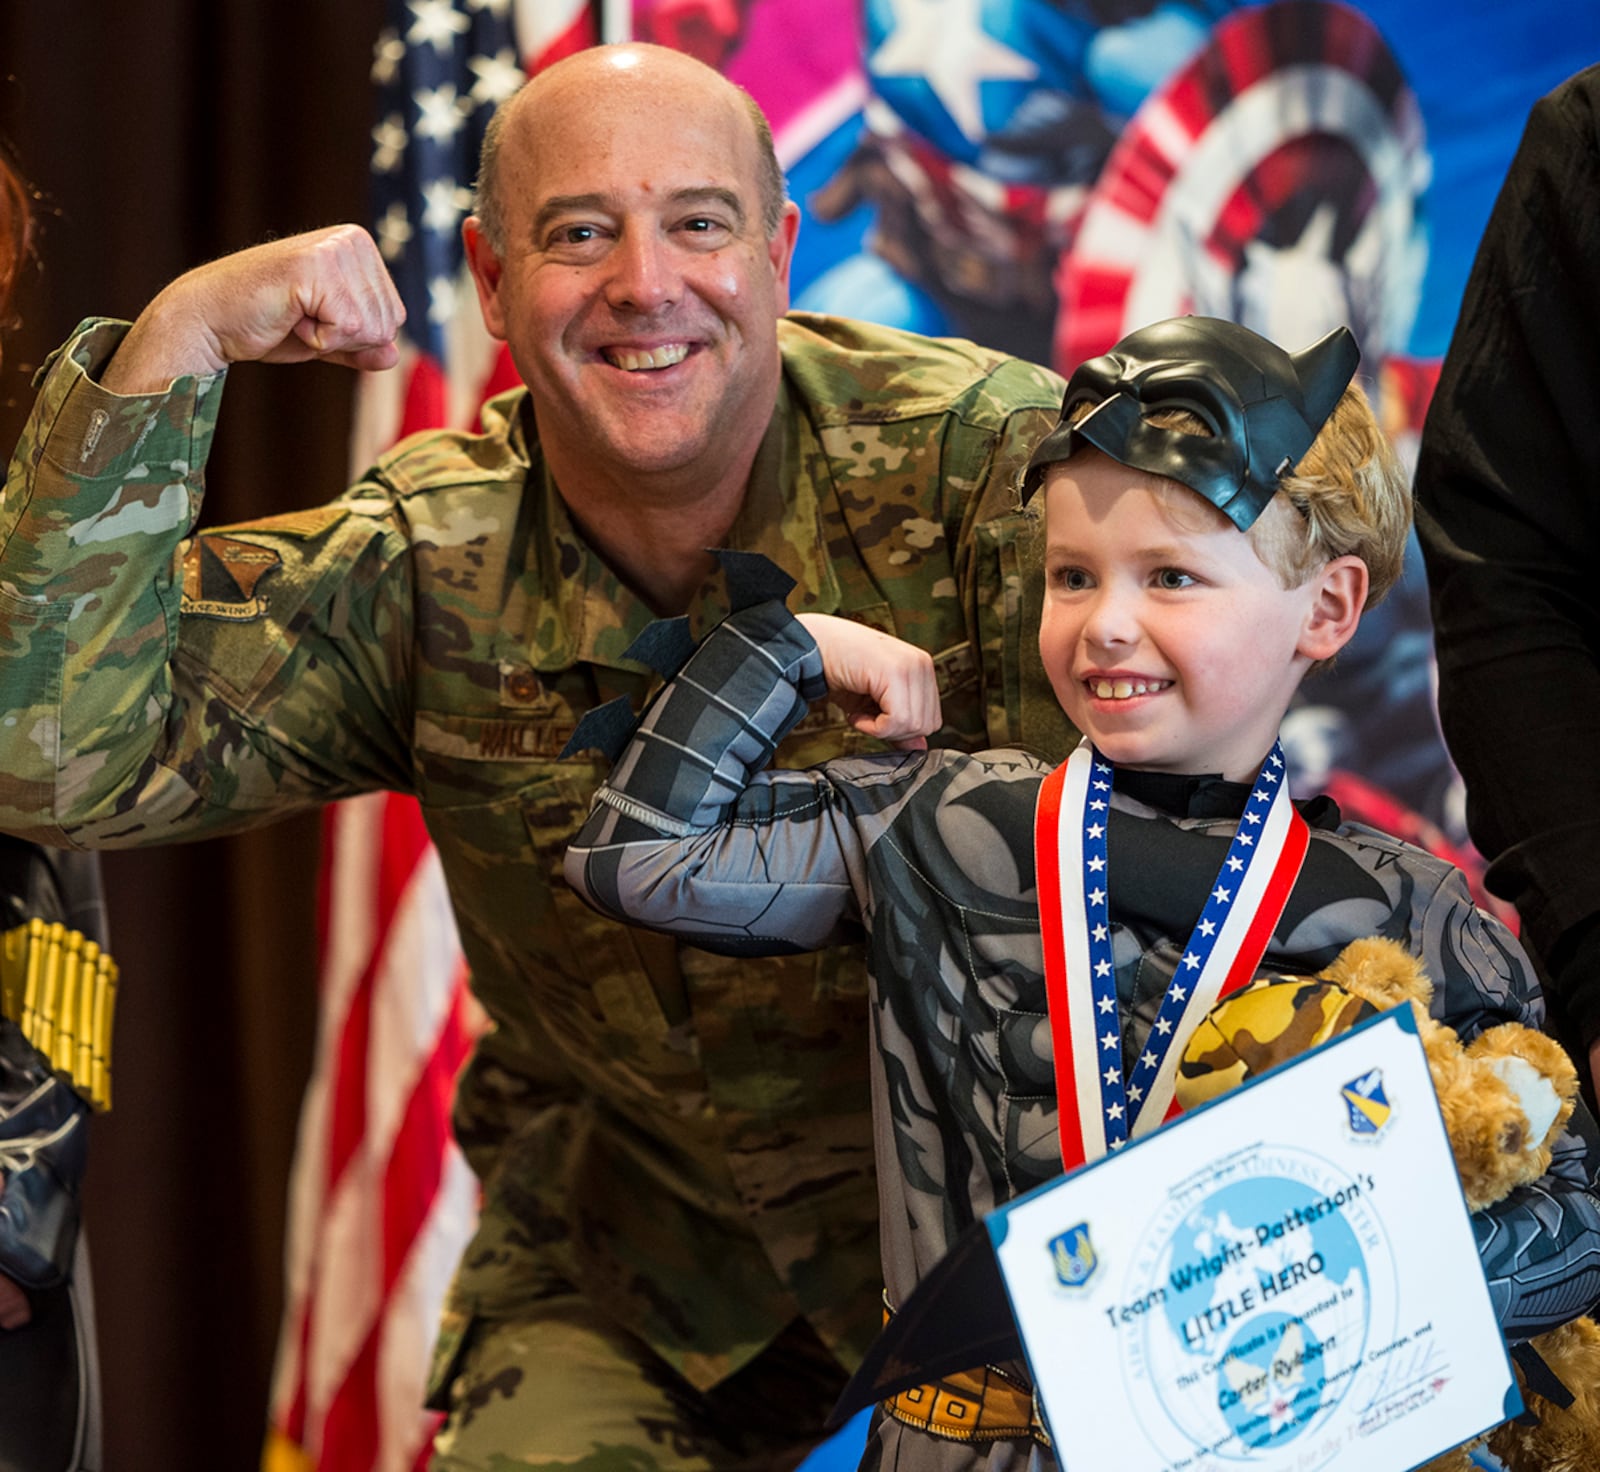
[(1368, 1104), (1074, 1257)]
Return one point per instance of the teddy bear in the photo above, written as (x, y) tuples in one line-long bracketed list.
[(1505, 1098)]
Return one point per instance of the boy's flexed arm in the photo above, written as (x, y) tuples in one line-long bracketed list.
[(885, 686), (691, 834)]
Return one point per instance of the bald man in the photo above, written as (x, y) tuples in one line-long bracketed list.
[(677, 1256)]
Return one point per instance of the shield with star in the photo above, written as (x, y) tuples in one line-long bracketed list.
[(1277, 179)]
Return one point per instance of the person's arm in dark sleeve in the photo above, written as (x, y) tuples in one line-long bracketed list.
[(1508, 488), (691, 834), (1540, 1245)]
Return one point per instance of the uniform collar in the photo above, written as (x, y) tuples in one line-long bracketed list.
[(593, 616)]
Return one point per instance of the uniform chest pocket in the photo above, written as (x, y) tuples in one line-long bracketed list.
[(608, 997)]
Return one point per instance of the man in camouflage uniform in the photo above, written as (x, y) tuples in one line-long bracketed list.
[(678, 1248)]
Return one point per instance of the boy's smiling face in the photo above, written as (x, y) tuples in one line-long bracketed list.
[(1166, 638)]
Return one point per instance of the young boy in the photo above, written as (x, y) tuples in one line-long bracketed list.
[(1217, 514)]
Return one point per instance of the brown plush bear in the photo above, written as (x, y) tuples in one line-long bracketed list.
[(1505, 1097)]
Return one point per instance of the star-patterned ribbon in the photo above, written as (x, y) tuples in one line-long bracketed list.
[(1098, 1110)]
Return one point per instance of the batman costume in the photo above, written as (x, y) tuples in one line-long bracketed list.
[(928, 859)]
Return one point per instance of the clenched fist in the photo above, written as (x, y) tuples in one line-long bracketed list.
[(326, 294)]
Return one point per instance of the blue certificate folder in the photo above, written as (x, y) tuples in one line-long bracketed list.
[(1299, 1133)]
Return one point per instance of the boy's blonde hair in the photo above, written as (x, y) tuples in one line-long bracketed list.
[(1348, 496)]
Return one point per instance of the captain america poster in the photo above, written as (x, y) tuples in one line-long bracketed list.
[(1046, 175)]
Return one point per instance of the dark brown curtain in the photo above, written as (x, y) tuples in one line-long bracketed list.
[(162, 133)]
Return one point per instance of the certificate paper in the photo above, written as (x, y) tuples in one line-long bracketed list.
[(1284, 1279)]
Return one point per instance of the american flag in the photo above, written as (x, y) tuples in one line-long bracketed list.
[(381, 1201)]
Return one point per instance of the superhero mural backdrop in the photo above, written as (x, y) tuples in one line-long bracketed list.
[(1046, 175)]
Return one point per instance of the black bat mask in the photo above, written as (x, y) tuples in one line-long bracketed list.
[(1262, 405)]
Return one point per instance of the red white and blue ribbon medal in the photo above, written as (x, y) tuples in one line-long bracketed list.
[(1099, 1110)]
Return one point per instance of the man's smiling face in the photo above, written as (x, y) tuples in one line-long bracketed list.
[(638, 289)]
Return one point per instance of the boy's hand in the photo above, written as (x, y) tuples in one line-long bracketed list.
[(886, 686)]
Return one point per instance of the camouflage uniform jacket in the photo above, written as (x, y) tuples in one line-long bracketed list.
[(649, 1122), (929, 858)]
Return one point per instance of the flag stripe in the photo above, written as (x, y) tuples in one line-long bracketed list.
[(346, 931), (551, 29), (402, 840), (379, 1192), (411, 1182)]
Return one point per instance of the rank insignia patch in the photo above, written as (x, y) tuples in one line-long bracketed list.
[(1074, 1257), (1368, 1105)]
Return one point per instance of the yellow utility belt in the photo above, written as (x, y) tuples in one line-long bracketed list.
[(60, 989), (974, 1405), (979, 1405)]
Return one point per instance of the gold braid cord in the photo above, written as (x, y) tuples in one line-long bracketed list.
[(60, 989)]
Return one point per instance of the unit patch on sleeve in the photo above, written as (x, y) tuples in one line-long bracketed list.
[(220, 576)]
